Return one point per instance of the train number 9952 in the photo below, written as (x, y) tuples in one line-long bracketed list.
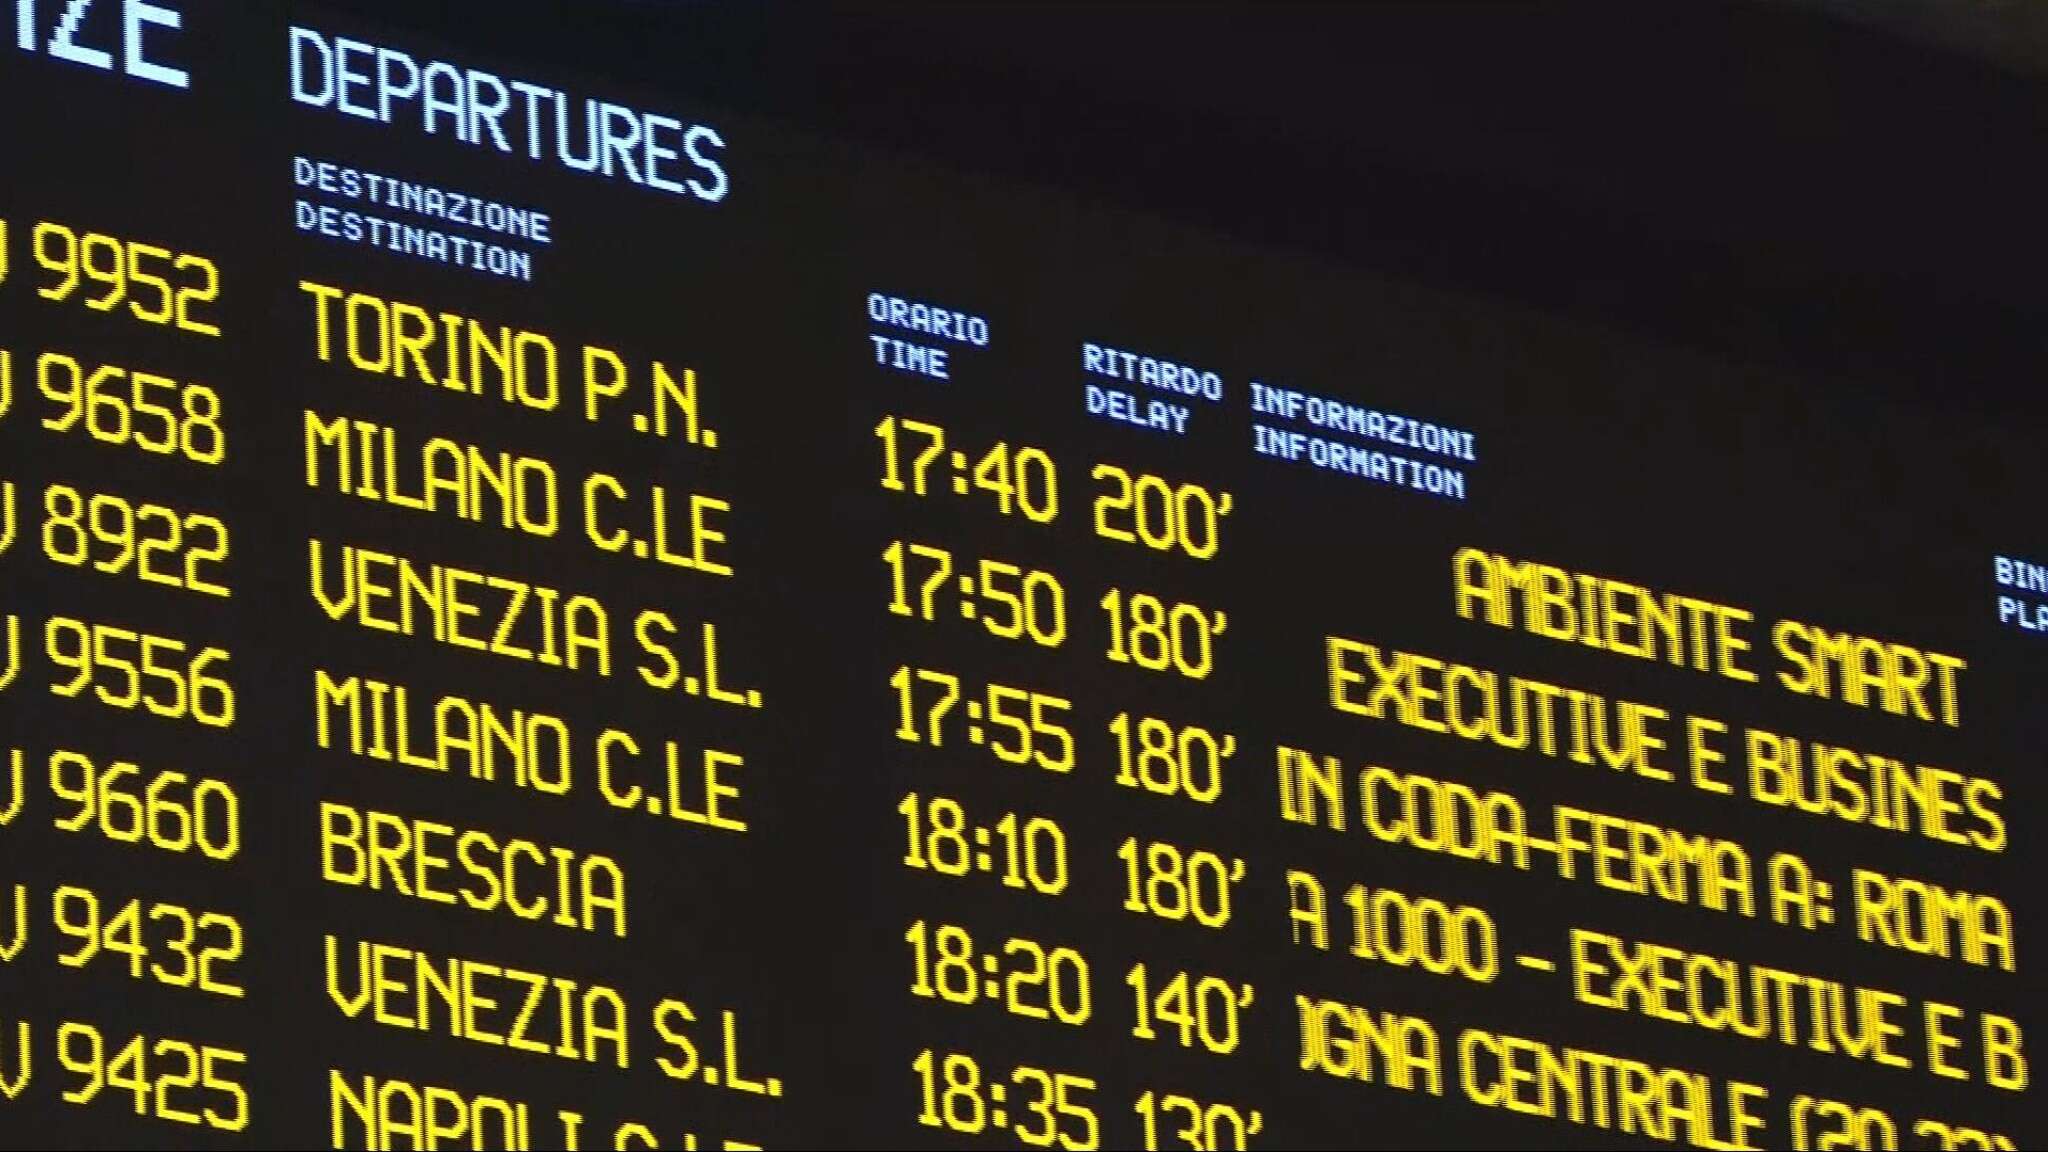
[(106, 273)]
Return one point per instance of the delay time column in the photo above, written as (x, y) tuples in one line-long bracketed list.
[(1162, 524)]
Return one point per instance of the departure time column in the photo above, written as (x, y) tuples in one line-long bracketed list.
[(983, 743)]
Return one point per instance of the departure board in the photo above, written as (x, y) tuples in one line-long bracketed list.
[(541, 613)]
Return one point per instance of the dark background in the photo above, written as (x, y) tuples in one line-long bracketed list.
[(1851, 190), (1672, 263)]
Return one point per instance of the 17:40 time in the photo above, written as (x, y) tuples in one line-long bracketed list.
[(1022, 481)]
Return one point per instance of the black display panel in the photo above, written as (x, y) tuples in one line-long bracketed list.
[(540, 614)]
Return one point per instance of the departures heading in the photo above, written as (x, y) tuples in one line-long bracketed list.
[(539, 615)]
